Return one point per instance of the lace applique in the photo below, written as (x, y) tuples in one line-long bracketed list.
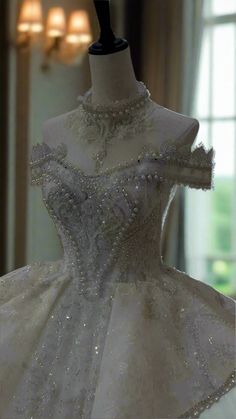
[(119, 203), (41, 153), (105, 124), (183, 166)]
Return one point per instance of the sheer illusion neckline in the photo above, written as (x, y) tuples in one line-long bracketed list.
[(132, 162), (60, 153)]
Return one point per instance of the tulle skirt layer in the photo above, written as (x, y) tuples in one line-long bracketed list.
[(160, 348)]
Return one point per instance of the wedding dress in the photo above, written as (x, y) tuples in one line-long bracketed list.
[(110, 331)]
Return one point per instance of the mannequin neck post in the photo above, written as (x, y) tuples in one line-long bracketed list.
[(107, 43), (113, 77)]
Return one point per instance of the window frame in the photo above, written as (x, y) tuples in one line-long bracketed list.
[(199, 267)]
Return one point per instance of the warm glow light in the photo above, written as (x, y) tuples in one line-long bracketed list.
[(61, 42), (79, 31), (56, 22), (30, 18)]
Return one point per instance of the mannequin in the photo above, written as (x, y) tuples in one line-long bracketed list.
[(109, 330), (113, 79)]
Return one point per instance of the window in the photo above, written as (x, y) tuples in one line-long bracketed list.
[(211, 241)]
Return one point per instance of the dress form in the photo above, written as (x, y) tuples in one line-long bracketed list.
[(113, 79), (110, 331)]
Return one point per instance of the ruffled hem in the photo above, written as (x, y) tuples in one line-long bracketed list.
[(200, 407)]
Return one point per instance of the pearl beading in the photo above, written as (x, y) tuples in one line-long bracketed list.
[(117, 109), (168, 155), (103, 125), (93, 290), (197, 410)]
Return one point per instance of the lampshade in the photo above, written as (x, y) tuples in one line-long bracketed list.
[(56, 22), (79, 31), (30, 17)]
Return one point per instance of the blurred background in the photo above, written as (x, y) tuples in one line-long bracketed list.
[(185, 52)]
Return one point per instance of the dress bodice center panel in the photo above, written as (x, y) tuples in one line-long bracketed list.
[(113, 220), (105, 221)]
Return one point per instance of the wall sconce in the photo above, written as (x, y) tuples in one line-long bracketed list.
[(30, 22), (56, 23), (55, 32), (79, 28), (63, 40), (78, 37)]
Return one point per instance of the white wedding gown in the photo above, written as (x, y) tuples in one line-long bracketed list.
[(110, 331)]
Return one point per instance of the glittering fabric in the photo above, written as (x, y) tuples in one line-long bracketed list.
[(110, 331)]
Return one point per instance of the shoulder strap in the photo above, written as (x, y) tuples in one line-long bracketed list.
[(184, 166), (41, 154)]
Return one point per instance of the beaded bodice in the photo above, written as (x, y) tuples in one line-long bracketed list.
[(112, 221)]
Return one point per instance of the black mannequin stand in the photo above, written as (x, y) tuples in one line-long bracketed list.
[(107, 43)]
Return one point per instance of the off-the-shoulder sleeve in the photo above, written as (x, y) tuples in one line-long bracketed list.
[(41, 155), (184, 166)]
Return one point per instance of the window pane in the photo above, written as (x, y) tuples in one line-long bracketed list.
[(224, 70), (223, 7), (223, 134), (221, 224), (215, 107), (220, 229), (203, 134), (221, 274), (202, 102)]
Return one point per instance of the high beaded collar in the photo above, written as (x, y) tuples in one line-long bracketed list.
[(118, 108)]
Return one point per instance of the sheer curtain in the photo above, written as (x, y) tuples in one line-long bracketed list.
[(170, 35)]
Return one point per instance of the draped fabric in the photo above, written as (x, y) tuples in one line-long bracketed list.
[(162, 47)]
